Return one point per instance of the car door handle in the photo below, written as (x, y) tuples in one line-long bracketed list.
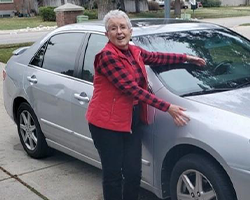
[(32, 79), (82, 97)]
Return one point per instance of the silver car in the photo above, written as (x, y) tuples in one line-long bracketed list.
[(47, 88)]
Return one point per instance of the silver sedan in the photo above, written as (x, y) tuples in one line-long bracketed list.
[(47, 88)]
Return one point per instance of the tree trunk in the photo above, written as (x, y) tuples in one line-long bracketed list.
[(247, 2), (177, 8), (122, 5), (137, 6), (104, 6)]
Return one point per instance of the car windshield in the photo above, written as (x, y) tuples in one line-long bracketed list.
[(227, 58)]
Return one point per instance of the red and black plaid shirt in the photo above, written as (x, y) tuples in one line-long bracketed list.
[(111, 67)]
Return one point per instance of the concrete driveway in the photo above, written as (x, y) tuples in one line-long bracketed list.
[(234, 24), (59, 177)]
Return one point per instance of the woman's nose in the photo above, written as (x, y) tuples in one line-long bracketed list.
[(119, 30)]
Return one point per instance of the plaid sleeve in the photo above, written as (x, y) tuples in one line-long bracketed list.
[(157, 58), (119, 76)]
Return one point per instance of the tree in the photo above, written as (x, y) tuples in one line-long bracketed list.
[(247, 2), (177, 8), (104, 6), (122, 5), (137, 6)]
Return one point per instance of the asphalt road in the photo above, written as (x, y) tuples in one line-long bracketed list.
[(13, 37)]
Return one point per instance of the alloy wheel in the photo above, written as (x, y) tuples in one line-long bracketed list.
[(193, 185), (28, 130)]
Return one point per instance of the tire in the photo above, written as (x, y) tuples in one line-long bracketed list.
[(193, 169), (31, 136)]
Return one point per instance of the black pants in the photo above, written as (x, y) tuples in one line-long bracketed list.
[(120, 155)]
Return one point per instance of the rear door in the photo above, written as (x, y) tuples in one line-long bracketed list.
[(49, 81)]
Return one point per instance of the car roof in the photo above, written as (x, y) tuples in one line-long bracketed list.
[(143, 26)]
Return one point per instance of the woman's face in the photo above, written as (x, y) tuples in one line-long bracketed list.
[(119, 32)]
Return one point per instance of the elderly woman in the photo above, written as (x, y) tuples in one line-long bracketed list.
[(118, 106)]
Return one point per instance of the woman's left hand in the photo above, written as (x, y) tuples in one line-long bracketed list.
[(196, 60)]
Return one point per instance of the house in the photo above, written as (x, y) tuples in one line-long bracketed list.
[(233, 2), (9, 8)]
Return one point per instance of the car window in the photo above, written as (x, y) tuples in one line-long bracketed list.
[(37, 60), (59, 53), (227, 58), (95, 45)]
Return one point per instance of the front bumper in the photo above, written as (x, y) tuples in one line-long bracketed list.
[(241, 182)]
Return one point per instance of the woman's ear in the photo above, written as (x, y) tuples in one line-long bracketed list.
[(106, 33)]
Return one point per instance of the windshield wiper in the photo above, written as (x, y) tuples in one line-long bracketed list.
[(206, 91), (247, 83)]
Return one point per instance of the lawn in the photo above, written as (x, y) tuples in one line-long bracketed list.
[(201, 13), (6, 50), (23, 22)]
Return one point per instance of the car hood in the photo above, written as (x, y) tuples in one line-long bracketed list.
[(236, 101)]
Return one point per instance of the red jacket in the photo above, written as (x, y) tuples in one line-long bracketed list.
[(116, 87), (109, 107)]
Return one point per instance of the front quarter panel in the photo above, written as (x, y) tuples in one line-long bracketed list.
[(224, 135)]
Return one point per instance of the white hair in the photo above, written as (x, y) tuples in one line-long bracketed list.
[(116, 14)]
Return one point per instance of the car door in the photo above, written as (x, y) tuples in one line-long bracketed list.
[(81, 94), (49, 81)]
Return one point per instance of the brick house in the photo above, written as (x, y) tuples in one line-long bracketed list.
[(12, 7), (233, 2)]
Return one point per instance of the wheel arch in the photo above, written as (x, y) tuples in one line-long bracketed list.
[(175, 154), (17, 102)]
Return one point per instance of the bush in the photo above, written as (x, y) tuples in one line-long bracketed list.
[(47, 13), (211, 3), (92, 14), (152, 5)]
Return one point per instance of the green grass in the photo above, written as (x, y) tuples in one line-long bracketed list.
[(247, 24), (6, 50), (201, 13), (23, 22)]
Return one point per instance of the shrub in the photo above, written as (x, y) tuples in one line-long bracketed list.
[(152, 5), (92, 14), (47, 13), (211, 3)]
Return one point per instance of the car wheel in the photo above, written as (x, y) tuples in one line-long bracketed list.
[(30, 133), (197, 177)]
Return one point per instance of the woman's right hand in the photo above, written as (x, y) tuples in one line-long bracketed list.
[(179, 117)]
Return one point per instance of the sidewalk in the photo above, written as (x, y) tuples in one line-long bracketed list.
[(28, 29), (234, 24), (229, 22), (24, 35)]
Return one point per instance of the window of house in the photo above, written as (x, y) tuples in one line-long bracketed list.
[(6, 1)]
